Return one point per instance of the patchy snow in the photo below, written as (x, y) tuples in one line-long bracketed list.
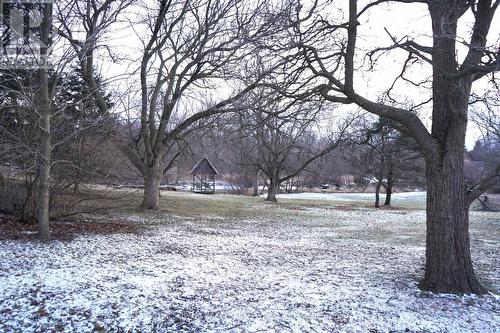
[(405, 197), (316, 270)]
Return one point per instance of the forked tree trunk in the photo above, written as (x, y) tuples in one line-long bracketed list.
[(152, 179)]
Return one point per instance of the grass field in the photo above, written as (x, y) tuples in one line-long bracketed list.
[(311, 263)]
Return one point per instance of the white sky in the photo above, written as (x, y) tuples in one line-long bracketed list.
[(399, 19)]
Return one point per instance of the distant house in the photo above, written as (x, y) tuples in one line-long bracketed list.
[(204, 176)]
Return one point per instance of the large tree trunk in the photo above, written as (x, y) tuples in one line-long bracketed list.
[(448, 267), (272, 189), (44, 153), (152, 179)]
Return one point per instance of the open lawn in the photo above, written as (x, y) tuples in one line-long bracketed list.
[(218, 263)]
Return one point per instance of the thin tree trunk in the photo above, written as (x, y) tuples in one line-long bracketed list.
[(76, 186), (44, 154), (256, 184), (388, 195), (377, 194), (388, 190), (44, 178), (28, 207), (3, 179)]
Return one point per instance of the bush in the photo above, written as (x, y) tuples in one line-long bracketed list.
[(17, 198)]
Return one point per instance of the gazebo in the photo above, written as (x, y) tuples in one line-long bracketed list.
[(204, 176)]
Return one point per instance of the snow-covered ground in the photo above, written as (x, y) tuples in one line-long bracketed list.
[(296, 268), (417, 198)]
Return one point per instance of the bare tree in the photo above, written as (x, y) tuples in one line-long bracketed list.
[(486, 116), (38, 99), (329, 50), (77, 128), (387, 156), (280, 138), (18, 140), (85, 24), (189, 45), (188, 48)]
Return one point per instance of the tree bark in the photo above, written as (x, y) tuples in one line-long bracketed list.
[(448, 267), (44, 178), (448, 261), (377, 194), (152, 178), (272, 189), (388, 195), (256, 184), (76, 185), (388, 190), (44, 110)]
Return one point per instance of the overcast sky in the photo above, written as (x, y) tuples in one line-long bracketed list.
[(399, 19)]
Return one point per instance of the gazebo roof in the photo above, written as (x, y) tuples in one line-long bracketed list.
[(204, 166)]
